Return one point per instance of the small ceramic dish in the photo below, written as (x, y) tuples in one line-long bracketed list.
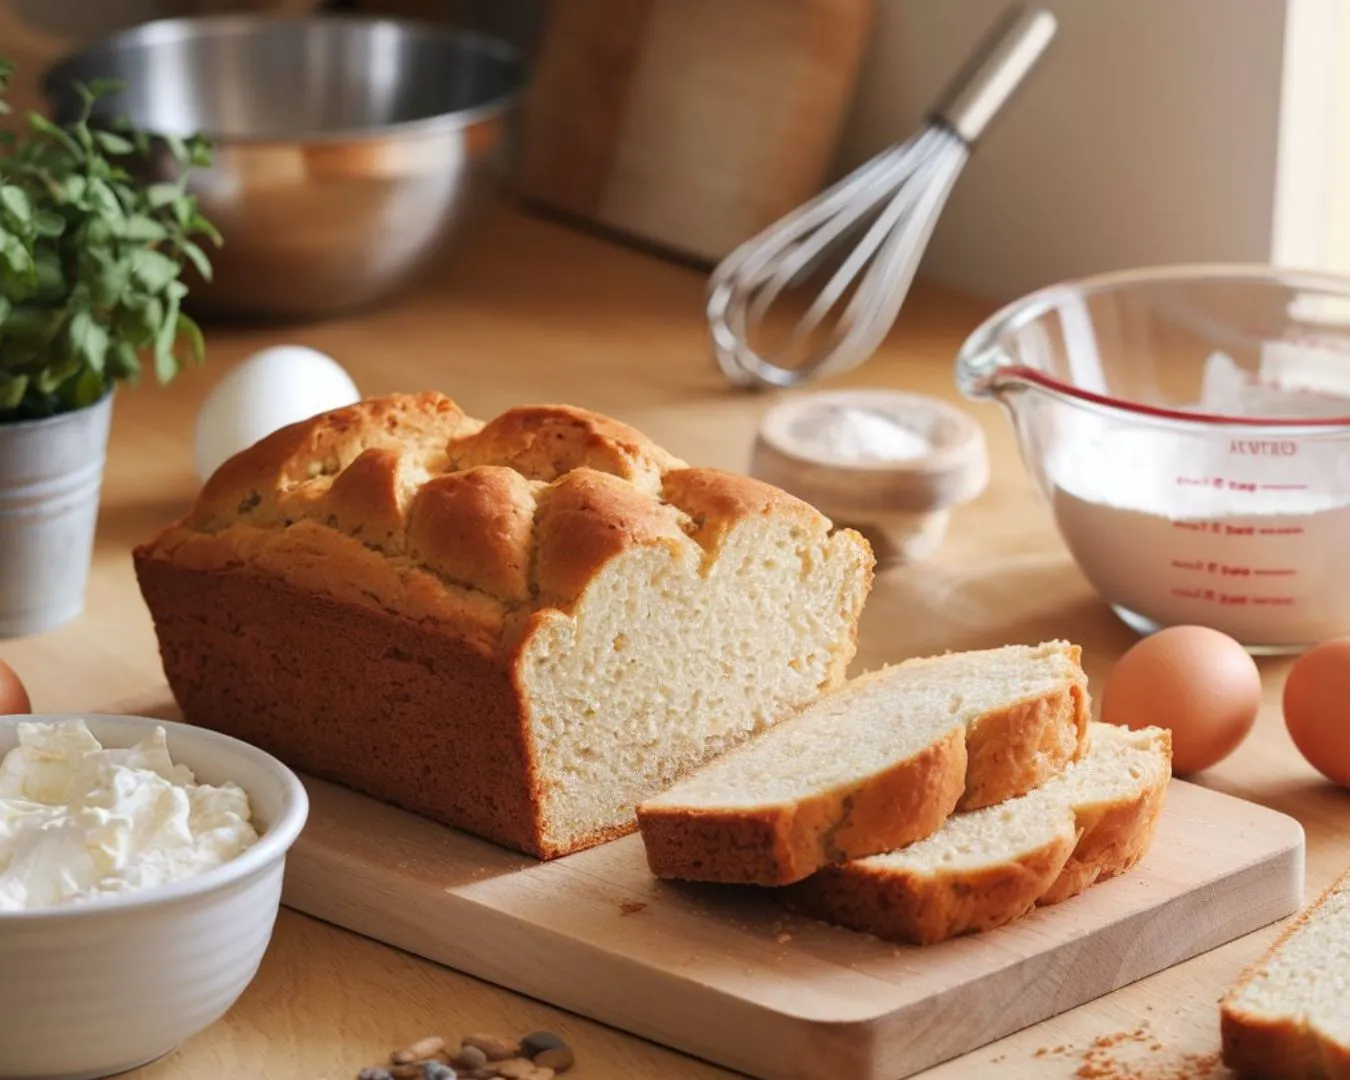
[(97, 988), (902, 504)]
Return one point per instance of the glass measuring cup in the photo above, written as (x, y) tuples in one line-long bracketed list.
[(1190, 427)]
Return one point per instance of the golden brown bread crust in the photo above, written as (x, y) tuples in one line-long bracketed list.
[(778, 845), (896, 905), (1112, 839), (1284, 1048), (1015, 750), (383, 565), (1108, 838)]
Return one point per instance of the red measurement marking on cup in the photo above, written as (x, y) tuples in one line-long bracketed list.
[(1275, 573), (1220, 483), (1284, 487), (1230, 570), (1280, 530)]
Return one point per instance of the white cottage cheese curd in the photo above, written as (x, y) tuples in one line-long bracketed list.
[(78, 822)]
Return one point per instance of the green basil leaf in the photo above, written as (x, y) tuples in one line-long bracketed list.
[(166, 363), (76, 188), (108, 280), (103, 85), (87, 389), (49, 274), (89, 340), (197, 257), (178, 148), (123, 363), (153, 269), (103, 200), (5, 308), (183, 208), (48, 223), (161, 195), (41, 124), (143, 229), (189, 330), (199, 224), (17, 257), (12, 390), (111, 143), (50, 378), (17, 204)]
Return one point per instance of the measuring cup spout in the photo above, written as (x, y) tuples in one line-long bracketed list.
[(986, 373)]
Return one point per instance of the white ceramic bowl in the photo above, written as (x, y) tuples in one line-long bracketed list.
[(97, 988)]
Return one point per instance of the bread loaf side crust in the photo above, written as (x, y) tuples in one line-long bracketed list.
[(1017, 749), (375, 701), (1280, 1047), (1113, 839), (924, 909), (778, 845)]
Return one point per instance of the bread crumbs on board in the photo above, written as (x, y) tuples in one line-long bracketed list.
[(1133, 1055)]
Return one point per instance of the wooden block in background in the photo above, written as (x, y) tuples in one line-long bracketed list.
[(689, 124)]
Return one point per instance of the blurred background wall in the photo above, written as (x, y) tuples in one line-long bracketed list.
[(1156, 130)]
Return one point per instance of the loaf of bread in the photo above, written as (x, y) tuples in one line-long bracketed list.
[(985, 868), (522, 628), (878, 763), (1288, 1017)]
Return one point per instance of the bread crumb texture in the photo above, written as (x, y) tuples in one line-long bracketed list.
[(1129, 1055), (521, 627)]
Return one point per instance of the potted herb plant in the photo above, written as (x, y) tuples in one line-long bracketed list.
[(91, 250)]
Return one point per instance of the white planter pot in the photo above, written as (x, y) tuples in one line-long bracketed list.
[(50, 475)]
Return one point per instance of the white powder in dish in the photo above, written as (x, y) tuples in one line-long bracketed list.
[(848, 432), (1247, 535)]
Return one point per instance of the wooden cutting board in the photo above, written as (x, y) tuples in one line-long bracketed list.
[(726, 975), (689, 124)]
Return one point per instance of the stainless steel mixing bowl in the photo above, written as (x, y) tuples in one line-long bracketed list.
[(349, 150)]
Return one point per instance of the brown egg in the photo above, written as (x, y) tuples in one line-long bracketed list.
[(1317, 708), (1200, 684), (13, 697)]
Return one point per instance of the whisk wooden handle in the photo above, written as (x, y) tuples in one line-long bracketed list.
[(994, 71)]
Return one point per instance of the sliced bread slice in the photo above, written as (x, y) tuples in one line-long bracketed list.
[(1288, 1017), (985, 868), (877, 764)]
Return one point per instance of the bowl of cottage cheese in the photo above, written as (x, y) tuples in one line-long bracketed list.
[(141, 864)]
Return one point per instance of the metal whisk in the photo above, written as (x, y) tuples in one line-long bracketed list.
[(894, 200)]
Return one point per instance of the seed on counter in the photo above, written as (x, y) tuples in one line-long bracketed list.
[(375, 1072), (412, 1070), (469, 1057), (494, 1046), (536, 1042), (557, 1058), (421, 1050)]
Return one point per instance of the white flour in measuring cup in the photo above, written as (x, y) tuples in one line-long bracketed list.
[(1250, 536)]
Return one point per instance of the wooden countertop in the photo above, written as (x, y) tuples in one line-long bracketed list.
[(537, 312)]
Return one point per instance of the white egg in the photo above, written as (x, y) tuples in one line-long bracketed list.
[(272, 388)]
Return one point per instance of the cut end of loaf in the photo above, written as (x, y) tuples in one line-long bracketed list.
[(1288, 1017), (666, 664)]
